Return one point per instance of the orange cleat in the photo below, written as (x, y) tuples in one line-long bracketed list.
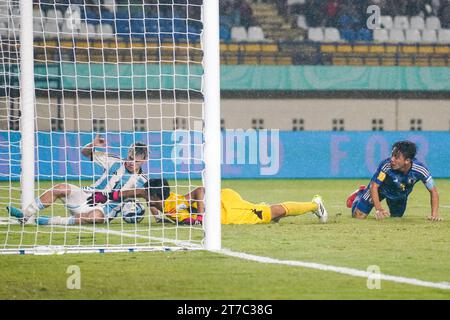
[(352, 197)]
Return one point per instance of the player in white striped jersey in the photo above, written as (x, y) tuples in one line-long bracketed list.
[(118, 174)]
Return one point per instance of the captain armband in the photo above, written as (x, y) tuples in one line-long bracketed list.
[(430, 183)]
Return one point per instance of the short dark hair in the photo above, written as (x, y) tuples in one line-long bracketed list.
[(407, 148), (158, 188), (140, 149)]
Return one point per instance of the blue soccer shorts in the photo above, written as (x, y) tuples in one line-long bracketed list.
[(397, 208)]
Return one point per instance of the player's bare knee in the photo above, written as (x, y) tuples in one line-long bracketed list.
[(61, 190), (359, 215)]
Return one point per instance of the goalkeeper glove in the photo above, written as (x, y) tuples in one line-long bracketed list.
[(103, 196), (198, 220)]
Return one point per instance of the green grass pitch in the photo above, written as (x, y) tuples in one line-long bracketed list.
[(409, 247)]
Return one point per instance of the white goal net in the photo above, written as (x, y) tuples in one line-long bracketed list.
[(119, 104)]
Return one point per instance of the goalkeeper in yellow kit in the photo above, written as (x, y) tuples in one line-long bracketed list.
[(189, 208)]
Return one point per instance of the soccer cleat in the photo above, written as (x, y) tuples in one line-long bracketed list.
[(321, 212), (351, 198), (18, 214)]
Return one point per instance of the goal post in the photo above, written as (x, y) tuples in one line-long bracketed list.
[(212, 123), (130, 73), (27, 128)]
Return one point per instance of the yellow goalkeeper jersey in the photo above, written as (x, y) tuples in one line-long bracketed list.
[(234, 209), (179, 208)]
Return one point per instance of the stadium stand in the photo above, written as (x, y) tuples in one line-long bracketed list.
[(293, 32)]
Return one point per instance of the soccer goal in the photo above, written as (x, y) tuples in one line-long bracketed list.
[(107, 95)]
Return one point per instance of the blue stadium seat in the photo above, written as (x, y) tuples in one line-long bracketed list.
[(166, 25), (107, 16), (348, 35), (137, 27), (91, 17), (365, 35), (151, 26), (122, 27), (180, 25), (122, 14), (225, 33)]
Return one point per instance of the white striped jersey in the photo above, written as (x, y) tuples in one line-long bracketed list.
[(115, 177)]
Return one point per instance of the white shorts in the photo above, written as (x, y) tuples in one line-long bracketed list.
[(77, 201)]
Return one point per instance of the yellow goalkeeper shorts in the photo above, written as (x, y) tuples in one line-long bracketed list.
[(236, 210)]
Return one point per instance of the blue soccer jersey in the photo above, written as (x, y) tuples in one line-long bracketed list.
[(395, 185)]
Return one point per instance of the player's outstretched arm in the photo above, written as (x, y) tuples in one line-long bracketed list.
[(117, 195), (380, 213), (434, 201), (197, 196), (88, 149)]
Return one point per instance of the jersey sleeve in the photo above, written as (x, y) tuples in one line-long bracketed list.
[(425, 176), (104, 160), (380, 174)]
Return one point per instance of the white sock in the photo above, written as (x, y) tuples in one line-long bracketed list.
[(62, 220), (33, 207)]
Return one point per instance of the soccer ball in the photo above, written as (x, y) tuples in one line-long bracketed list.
[(133, 211)]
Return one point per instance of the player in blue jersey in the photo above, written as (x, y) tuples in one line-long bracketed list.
[(118, 174), (394, 181)]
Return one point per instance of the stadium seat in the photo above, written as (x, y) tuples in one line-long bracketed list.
[(51, 26), (418, 23), (332, 35), (426, 50), (255, 33), (225, 33), (386, 22), (38, 14), (344, 48), (301, 22), (437, 62), (38, 29), (444, 36), (442, 49), (91, 30), (433, 23), (55, 14), (429, 36), (137, 27), (413, 35), (409, 49), (380, 35), (328, 48), (349, 35), (105, 30), (365, 35), (377, 49), (315, 34), (269, 48), (239, 34), (361, 49), (396, 36), (401, 22), (3, 29), (106, 16), (372, 61)]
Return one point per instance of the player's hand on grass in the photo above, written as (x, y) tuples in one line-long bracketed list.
[(435, 218), (381, 214)]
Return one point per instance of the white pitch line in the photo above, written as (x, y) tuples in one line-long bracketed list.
[(342, 270), (309, 265), (135, 235)]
